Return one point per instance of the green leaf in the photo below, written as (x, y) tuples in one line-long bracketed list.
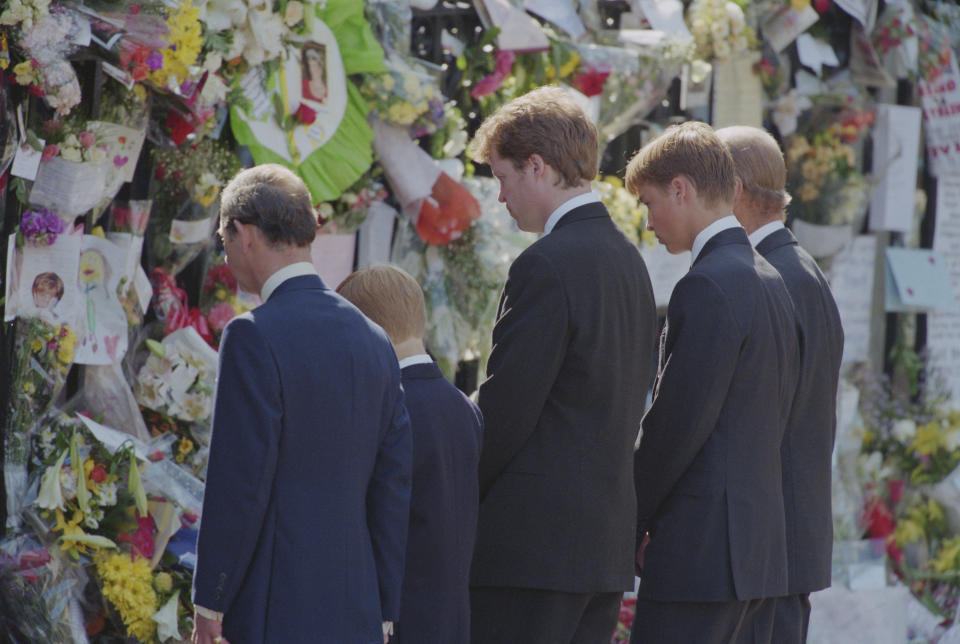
[(34, 141), (461, 62), (156, 348), (89, 540), (135, 486), (76, 463)]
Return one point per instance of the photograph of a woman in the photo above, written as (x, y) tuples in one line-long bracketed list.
[(313, 62)]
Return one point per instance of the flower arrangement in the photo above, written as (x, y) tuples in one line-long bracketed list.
[(220, 298), (170, 67), (719, 29), (934, 46), (627, 213), (41, 227), (46, 37), (406, 96), (24, 13), (892, 29), (178, 376), (349, 210), (822, 172)]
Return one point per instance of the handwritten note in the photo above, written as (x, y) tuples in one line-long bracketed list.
[(851, 279), (737, 93), (943, 329), (940, 100)]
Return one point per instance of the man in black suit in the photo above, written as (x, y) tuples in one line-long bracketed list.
[(447, 430), (808, 440), (566, 381), (707, 467)]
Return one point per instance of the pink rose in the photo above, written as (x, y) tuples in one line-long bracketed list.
[(87, 139), (49, 151), (219, 315)]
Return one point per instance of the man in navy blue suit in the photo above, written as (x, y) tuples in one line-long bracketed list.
[(305, 511), (447, 433), (707, 468), (808, 441)]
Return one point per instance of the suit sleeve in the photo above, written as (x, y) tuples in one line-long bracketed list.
[(247, 421), (702, 349), (529, 344), (388, 506)]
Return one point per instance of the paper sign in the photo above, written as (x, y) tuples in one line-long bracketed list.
[(943, 329), (863, 11), (117, 74), (47, 286), (788, 23), (917, 279), (896, 138), (26, 163), (866, 67), (124, 144), (69, 188), (141, 283), (940, 100), (737, 93), (815, 53), (81, 37), (332, 256), (851, 280)]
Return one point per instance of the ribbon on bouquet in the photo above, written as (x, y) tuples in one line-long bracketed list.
[(173, 307)]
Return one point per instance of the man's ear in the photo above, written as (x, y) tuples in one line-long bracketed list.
[(680, 188), (537, 164), (246, 233)]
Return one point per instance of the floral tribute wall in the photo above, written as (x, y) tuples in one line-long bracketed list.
[(121, 121)]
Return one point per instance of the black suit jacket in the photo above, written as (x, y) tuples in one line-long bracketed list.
[(808, 440), (571, 363), (708, 464), (447, 430)]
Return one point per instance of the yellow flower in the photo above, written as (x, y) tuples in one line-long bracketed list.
[(29, 387), (24, 72), (946, 558), (128, 585), (185, 447), (387, 81), (809, 192), (163, 582), (571, 65), (550, 72), (140, 92), (927, 440), (799, 5), (36, 345), (402, 113), (908, 531)]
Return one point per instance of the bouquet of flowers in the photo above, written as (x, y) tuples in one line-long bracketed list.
[(178, 377), (93, 503), (349, 210), (822, 172), (719, 29), (220, 298), (407, 96)]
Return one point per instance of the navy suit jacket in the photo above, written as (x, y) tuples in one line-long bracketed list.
[(708, 464), (305, 511), (572, 359), (447, 431), (808, 441)]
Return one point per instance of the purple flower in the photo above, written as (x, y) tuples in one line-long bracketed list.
[(42, 226), (155, 60)]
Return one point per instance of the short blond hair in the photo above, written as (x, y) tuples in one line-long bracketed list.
[(390, 297), (545, 121), (758, 162), (690, 149)]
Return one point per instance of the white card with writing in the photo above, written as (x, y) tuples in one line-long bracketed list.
[(940, 100), (943, 329), (788, 23), (26, 163)]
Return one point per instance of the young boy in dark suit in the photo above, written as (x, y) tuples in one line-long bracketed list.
[(447, 430)]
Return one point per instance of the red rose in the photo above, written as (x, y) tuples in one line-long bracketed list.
[(98, 474), (821, 5), (590, 82), (305, 115)]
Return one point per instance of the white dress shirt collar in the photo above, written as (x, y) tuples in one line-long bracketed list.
[(420, 358), (764, 231), (290, 270), (567, 206), (707, 234)]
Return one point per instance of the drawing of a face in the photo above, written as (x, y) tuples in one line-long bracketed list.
[(47, 290), (93, 268)]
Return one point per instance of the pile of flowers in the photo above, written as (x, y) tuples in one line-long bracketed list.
[(910, 454), (719, 29), (350, 210), (822, 172)]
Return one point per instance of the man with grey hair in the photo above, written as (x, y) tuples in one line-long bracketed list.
[(306, 506), (808, 439)]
